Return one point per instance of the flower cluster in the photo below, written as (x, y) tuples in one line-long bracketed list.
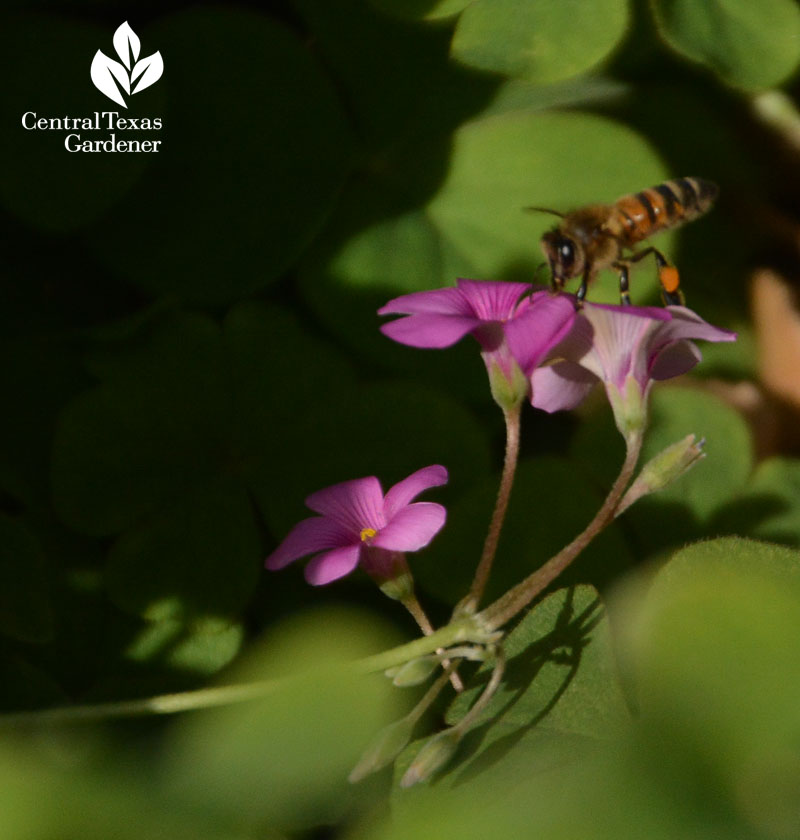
[(561, 351), (536, 344)]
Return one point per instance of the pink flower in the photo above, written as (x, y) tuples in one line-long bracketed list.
[(358, 525), (515, 326), (626, 348)]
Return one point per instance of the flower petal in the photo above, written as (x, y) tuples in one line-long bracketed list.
[(492, 300), (675, 360), (536, 331), (619, 340), (668, 353), (560, 386), (688, 324), (447, 301), (332, 565), (430, 330), (354, 505), (307, 537), (412, 528), (404, 491)]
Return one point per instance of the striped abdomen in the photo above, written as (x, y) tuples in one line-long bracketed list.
[(664, 206)]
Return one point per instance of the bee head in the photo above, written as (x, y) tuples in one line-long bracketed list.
[(564, 254)]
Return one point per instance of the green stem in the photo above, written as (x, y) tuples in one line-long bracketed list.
[(512, 421), (465, 630), (486, 695), (516, 599), (412, 604), (204, 698)]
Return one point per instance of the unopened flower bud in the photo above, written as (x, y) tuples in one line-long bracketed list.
[(414, 672), (388, 744), (670, 464), (435, 754)]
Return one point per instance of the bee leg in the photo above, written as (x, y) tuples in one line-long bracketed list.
[(668, 276), (670, 280), (624, 297), (623, 268), (581, 295)]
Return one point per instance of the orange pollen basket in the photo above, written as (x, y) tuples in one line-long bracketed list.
[(670, 278)]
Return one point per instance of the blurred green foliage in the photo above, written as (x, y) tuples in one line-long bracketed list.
[(189, 347)]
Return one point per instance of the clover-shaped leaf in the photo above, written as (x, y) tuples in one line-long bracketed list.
[(126, 43), (104, 71), (150, 70)]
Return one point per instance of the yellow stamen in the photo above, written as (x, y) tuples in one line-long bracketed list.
[(367, 534)]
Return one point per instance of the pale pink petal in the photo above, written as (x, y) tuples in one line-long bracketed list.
[(687, 324), (407, 489), (412, 528), (532, 335), (430, 331), (667, 351), (560, 386), (492, 300), (332, 565), (619, 333), (307, 537), (355, 504), (675, 360), (447, 301)]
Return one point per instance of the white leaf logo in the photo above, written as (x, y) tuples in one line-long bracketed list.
[(127, 44), (114, 78), (150, 70)]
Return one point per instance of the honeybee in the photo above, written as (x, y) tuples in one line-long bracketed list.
[(596, 237)]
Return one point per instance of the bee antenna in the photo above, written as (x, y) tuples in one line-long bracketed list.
[(544, 210)]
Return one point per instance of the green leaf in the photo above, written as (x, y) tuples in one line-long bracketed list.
[(544, 41), (25, 609), (37, 375), (186, 648), (476, 224), (421, 9), (154, 428), (560, 671), (404, 94), (716, 648), (728, 446), (196, 557), (96, 799), (768, 507), (254, 130), (558, 698), (748, 45), (285, 758)]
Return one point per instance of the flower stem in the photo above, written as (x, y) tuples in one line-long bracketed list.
[(512, 420), (516, 599), (203, 698), (486, 695), (411, 603), (465, 630)]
